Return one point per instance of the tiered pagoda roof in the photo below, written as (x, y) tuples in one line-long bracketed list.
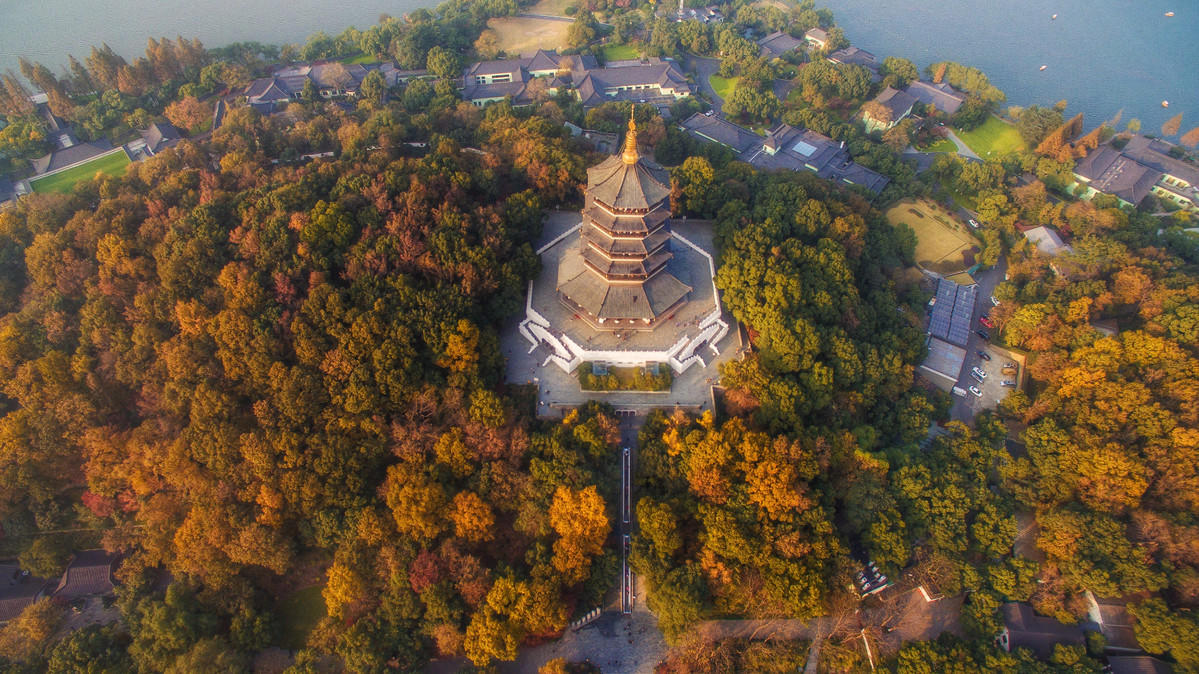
[(618, 277)]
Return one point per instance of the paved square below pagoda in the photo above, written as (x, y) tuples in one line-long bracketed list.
[(690, 266)]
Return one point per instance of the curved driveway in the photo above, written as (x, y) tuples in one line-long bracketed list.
[(703, 68)]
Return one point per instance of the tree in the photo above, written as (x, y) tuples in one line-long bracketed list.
[(901, 71), (95, 649), (1035, 122), (24, 137), (444, 63), (46, 557), (1172, 125), (373, 88), (488, 44), (189, 113), (581, 522), (1160, 630), (24, 637), (582, 31)]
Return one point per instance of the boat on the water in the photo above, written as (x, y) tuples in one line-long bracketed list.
[(1170, 14), (1053, 18), (1043, 67), (1165, 104)]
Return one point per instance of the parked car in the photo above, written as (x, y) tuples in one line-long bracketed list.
[(976, 376), (974, 223), (1009, 383), (983, 334), (986, 321), (1009, 364), (980, 372), (975, 390), (1009, 370), (994, 302), (984, 355)]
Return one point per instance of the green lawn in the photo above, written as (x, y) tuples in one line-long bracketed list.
[(621, 52), (723, 86), (64, 181), (359, 59), (299, 613), (942, 145), (994, 138)]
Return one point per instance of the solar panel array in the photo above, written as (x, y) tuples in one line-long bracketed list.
[(963, 311), (938, 323), (952, 313)]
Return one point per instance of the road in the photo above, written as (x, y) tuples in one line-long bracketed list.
[(963, 149), (703, 68)]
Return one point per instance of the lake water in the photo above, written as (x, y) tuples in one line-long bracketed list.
[(1103, 55), (49, 30)]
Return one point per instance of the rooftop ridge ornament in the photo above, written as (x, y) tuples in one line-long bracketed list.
[(630, 155)]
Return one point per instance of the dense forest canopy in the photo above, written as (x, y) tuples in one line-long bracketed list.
[(251, 372)]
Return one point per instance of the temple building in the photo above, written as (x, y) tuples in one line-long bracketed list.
[(617, 278), (620, 285)]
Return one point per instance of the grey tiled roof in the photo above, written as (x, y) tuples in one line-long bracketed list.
[(1137, 664), (71, 155), (898, 102), (779, 43), (805, 150), (1111, 172), (716, 129), (855, 56), (90, 572), (941, 96), (1037, 633), (641, 185), (495, 90), (161, 135), (17, 592), (1154, 153)]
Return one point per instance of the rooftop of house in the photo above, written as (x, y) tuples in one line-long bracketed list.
[(1047, 240), (595, 84), (1037, 633), (17, 591), (71, 155), (816, 34), (941, 96), (517, 90), (794, 149), (719, 130), (161, 135), (88, 573), (779, 43), (855, 56), (1110, 171), (1137, 664), (897, 101), (1155, 153)]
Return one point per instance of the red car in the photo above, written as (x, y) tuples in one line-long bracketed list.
[(986, 322)]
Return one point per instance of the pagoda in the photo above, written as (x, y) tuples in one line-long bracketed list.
[(618, 279)]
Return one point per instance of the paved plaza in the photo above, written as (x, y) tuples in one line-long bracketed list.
[(558, 390)]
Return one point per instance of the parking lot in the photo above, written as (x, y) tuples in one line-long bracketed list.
[(965, 408)]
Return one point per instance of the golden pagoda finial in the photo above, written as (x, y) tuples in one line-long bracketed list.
[(630, 141)]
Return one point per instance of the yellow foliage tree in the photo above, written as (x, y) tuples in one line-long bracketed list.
[(580, 520), (472, 517)]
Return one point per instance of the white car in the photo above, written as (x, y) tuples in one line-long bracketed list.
[(980, 372), (974, 223), (977, 393), (994, 302)]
